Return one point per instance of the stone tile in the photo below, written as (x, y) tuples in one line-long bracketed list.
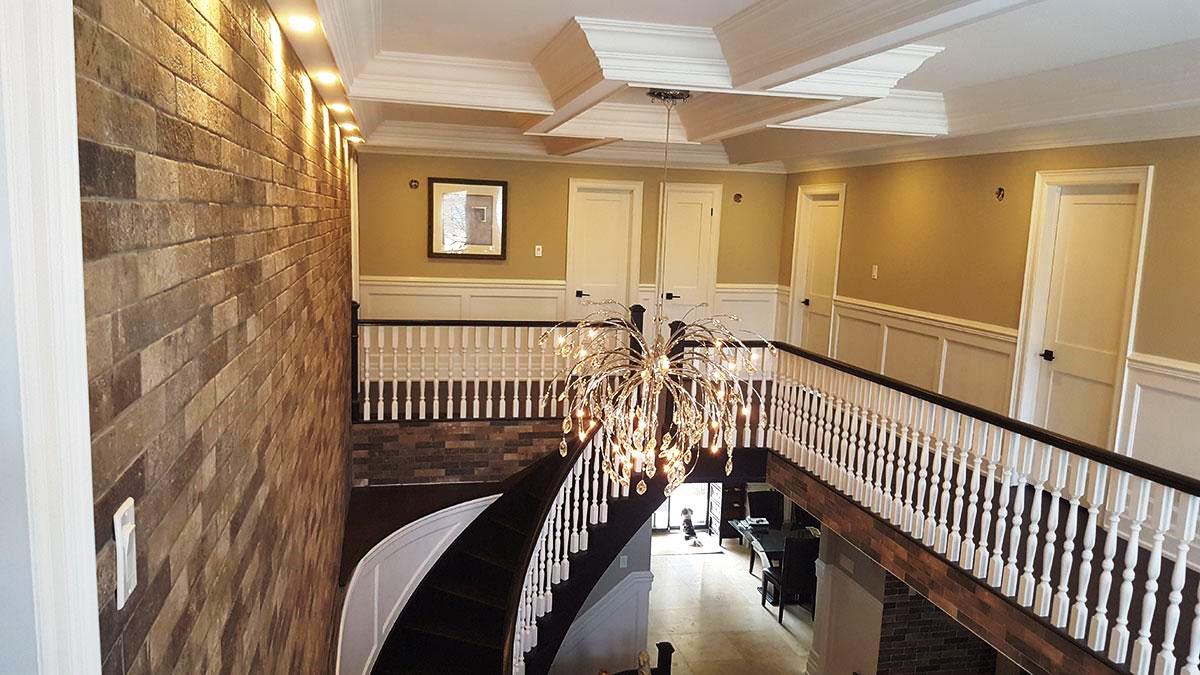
[(106, 171)]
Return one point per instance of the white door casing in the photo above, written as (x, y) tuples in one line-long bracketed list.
[(692, 233), (604, 239), (1082, 279), (816, 249)]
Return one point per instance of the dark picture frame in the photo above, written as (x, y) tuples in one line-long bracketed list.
[(480, 225)]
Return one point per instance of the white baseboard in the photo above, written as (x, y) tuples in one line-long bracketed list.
[(609, 635), (1160, 422), (963, 359)]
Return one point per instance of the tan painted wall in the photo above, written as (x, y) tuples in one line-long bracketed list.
[(393, 218), (944, 244)]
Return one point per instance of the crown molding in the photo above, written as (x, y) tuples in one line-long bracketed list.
[(908, 113), (352, 30), (871, 77), (1141, 126), (446, 139), (425, 79), (774, 42), (563, 146)]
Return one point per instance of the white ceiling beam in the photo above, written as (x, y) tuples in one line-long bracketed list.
[(871, 77), (710, 117), (455, 140), (629, 121), (909, 113), (450, 81), (774, 42)]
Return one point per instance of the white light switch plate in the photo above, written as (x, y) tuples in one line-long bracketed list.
[(623, 561), (125, 536), (874, 271), (537, 251)]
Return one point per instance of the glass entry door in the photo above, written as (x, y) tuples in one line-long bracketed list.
[(692, 496)]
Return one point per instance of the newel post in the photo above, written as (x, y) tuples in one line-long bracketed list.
[(355, 403)]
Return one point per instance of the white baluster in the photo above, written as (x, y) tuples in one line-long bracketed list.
[(845, 423), (889, 502), (542, 347), (476, 333), (1139, 662), (408, 372), (1061, 605), (565, 532), (874, 451), (954, 541), (928, 438), (1077, 622), (1165, 662), (467, 332), (558, 567), (1118, 644), (585, 496), (989, 450), (421, 382), (437, 372), (451, 334), (1028, 583), (996, 565), (379, 345), (366, 385), (503, 368), (1098, 629), (945, 444), (594, 463), (605, 484), (973, 448), (920, 435), (1023, 449), (395, 331), (1041, 600), (864, 464), (761, 438)]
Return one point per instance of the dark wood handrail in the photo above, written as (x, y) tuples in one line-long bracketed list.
[(1158, 474)]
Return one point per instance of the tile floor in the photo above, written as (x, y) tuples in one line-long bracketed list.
[(707, 606)]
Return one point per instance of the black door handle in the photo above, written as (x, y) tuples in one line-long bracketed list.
[(581, 294), (1047, 354), (671, 296), (806, 302)]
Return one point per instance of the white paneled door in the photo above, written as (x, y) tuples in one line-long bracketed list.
[(692, 222), (1082, 278), (603, 243), (1083, 338), (814, 269)]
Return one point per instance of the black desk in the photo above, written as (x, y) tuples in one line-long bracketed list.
[(771, 539)]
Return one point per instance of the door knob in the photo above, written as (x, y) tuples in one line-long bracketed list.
[(1047, 354), (671, 296), (581, 294), (806, 302)]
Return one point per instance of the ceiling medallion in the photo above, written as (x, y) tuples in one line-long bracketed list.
[(661, 394)]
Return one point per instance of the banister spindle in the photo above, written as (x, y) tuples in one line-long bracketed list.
[(945, 445), (908, 445), (1139, 661), (366, 384), (1098, 629), (379, 377), (1164, 663), (989, 450), (929, 432), (1118, 641), (1028, 583), (864, 465), (491, 352), (423, 338), (1023, 449), (920, 435), (889, 464), (1077, 622), (395, 334), (954, 540), (541, 395), (972, 448), (476, 335), (408, 372), (464, 344), (1007, 453), (1061, 606), (1041, 600), (503, 371), (437, 372), (451, 342)]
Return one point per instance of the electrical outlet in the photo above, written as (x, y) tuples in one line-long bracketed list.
[(537, 251), (874, 271), (623, 561)]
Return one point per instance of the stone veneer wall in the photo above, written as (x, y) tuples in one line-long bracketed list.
[(387, 453), (917, 637), (217, 258)]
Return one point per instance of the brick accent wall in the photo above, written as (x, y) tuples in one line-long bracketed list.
[(216, 245), (1024, 638), (917, 637), (387, 453)]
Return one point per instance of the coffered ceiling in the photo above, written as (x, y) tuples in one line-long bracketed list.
[(777, 84)]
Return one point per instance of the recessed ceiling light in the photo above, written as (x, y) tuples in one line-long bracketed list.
[(301, 23), (339, 107), (355, 139), (325, 77), (349, 126)]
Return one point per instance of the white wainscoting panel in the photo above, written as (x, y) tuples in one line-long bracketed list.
[(387, 576), (962, 359), (454, 298), (609, 635), (1160, 423), (757, 305)]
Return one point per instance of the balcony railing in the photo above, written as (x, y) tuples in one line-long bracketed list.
[(1094, 543)]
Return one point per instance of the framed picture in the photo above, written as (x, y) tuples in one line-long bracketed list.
[(467, 218)]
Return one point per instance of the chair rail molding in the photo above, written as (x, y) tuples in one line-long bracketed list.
[(961, 358), (386, 577), (1160, 422), (613, 628)]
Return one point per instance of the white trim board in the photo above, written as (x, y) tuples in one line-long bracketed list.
[(1160, 418), (612, 629), (386, 577), (461, 298), (49, 563), (963, 359)]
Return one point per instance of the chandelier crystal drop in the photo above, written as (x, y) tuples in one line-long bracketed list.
[(660, 395)]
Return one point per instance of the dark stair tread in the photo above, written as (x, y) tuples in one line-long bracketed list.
[(468, 576), (454, 616), (418, 653)]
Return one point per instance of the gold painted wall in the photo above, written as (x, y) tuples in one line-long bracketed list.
[(393, 218), (945, 245)]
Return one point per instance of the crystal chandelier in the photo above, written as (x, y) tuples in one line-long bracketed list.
[(663, 394)]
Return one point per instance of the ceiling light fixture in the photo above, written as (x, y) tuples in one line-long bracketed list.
[(327, 77), (660, 393), (301, 23), (339, 107)]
